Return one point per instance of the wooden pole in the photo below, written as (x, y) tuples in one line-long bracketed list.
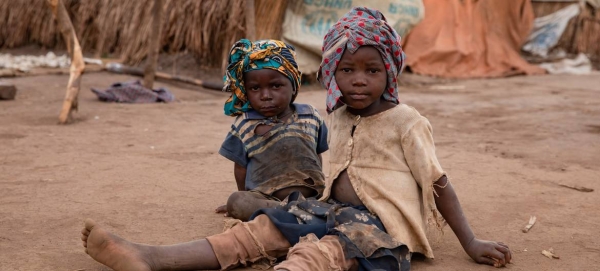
[(250, 20), (578, 25), (119, 68), (77, 65), (154, 44)]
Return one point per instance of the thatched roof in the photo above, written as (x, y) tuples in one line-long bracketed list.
[(206, 29)]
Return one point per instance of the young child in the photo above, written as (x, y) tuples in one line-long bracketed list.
[(386, 184), (275, 145)]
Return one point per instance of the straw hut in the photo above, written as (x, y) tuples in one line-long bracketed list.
[(206, 29)]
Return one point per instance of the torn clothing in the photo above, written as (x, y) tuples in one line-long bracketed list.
[(390, 160), (312, 254), (361, 234), (257, 242), (285, 156)]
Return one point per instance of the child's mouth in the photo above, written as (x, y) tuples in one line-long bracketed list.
[(269, 108), (358, 96)]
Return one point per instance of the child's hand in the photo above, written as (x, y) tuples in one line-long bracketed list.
[(489, 252), (222, 210)]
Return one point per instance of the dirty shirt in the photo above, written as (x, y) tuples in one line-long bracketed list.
[(287, 155), (391, 163)]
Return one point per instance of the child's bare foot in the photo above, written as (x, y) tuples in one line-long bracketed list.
[(113, 251)]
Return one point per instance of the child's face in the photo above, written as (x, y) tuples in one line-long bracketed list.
[(362, 79), (269, 92)]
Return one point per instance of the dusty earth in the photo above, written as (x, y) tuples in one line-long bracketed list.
[(151, 173)]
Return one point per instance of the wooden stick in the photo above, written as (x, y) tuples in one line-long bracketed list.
[(576, 187), (154, 42), (119, 68), (77, 65), (578, 24), (250, 20), (46, 71)]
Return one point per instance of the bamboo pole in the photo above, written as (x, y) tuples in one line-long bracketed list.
[(154, 42), (77, 65)]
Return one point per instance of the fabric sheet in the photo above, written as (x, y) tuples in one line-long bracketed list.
[(471, 39)]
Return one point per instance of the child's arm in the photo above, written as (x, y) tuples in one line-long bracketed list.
[(481, 251), (240, 176)]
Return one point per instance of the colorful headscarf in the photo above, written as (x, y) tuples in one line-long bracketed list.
[(360, 27), (247, 56)]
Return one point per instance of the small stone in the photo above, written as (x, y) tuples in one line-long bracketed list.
[(7, 91)]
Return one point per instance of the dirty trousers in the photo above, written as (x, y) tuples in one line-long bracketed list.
[(259, 240)]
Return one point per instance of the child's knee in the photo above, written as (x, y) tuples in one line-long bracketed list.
[(249, 242), (236, 202), (314, 254)]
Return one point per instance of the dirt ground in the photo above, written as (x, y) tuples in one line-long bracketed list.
[(152, 173)]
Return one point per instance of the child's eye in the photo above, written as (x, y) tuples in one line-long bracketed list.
[(277, 86), (253, 88), (346, 70), (373, 70)]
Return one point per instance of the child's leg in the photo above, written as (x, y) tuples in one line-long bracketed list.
[(314, 254), (243, 204), (120, 254), (249, 242), (243, 243)]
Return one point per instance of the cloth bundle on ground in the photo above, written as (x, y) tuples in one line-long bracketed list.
[(133, 92), (468, 39)]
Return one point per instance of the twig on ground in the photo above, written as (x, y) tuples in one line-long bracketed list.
[(578, 188), (532, 220)]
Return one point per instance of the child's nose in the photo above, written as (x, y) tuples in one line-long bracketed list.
[(359, 80), (265, 95)]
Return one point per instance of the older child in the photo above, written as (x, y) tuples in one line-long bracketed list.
[(386, 184), (275, 145)]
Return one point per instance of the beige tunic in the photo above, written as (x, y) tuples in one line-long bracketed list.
[(392, 165)]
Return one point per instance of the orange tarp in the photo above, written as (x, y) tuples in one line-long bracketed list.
[(471, 38)]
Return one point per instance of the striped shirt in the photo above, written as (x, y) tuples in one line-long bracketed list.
[(287, 155)]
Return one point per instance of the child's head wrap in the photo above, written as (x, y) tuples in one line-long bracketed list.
[(247, 56), (360, 27)]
